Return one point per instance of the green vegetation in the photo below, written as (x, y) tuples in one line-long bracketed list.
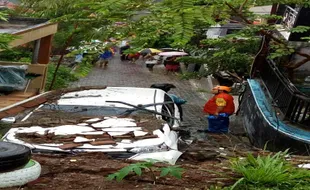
[(66, 75), (63, 78), (137, 169), (18, 54), (169, 23), (269, 172), (5, 39), (189, 75), (83, 68)]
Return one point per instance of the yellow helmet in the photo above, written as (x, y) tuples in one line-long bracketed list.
[(226, 88)]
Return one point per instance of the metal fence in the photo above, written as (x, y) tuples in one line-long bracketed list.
[(294, 105), (289, 17)]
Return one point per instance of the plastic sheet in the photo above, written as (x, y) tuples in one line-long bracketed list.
[(12, 78)]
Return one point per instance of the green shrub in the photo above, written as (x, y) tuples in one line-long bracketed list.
[(65, 75), (63, 78), (16, 55)]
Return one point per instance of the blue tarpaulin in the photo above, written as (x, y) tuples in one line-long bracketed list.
[(12, 78)]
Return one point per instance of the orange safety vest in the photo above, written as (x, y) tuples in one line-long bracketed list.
[(221, 99)]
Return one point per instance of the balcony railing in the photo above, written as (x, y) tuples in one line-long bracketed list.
[(289, 17), (294, 105)]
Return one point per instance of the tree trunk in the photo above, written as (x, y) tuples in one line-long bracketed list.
[(61, 57)]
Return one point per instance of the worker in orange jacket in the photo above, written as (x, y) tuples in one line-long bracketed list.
[(219, 108)]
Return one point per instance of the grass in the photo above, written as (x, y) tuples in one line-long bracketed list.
[(269, 172)]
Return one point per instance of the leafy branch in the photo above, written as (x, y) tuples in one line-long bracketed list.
[(285, 49), (300, 29)]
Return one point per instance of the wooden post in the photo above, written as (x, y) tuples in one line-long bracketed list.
[(45, 49), (273, 11)]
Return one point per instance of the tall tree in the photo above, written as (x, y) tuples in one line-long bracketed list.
[(5, 39), (95, 18), (175, 21)]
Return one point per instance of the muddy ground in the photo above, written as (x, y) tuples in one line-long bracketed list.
[(203, 167), (204, 164)]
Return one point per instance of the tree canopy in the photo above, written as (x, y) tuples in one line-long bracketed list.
[(167, 23)]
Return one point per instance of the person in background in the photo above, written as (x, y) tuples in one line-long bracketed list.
[(219, 108), (122, 49), (151, 60), (132, 57), (112, 51), (78, 59), (105, 56), (171, 65)]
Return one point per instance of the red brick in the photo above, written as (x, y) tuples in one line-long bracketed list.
[(102, 142), (70, 146)]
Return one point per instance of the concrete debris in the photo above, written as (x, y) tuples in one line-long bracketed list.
[(124, 129), (82, 140), (170, 156), (93, 120), (8, 120), (111, 135), (82, 124), (115, 122), (306, 166)]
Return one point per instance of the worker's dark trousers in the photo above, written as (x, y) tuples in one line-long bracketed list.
[(218, 124), (181, 111)]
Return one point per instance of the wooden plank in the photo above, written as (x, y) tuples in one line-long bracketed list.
[(35, 33), (15, 110), (13, 63), (34, 103), (16, 99), (37, 84), (5, 104), (22, 94)]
